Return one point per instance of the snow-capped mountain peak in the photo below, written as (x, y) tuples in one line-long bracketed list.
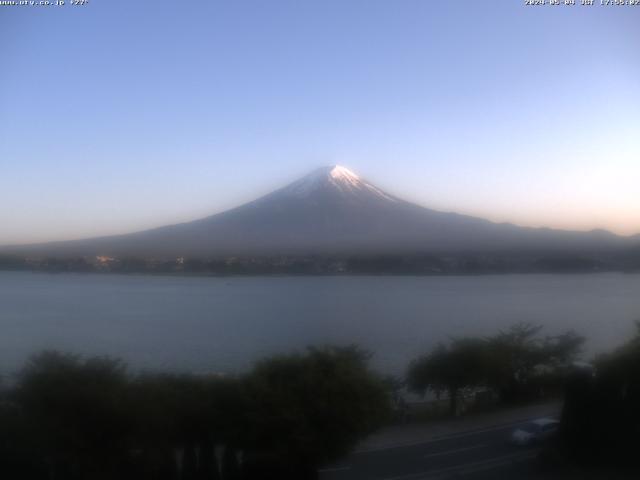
[(336, 179), (343, 174)]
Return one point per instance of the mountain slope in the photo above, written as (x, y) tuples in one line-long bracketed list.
[(331, 211)]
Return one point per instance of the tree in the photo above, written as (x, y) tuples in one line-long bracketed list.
[(74, 410), (513, 356), (77, 419), (561, 350), (450, 368), (18, 458), (601, 415), (517, 363), (184, 416), (518, 358), (309, 409)]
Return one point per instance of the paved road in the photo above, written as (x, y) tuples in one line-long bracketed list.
[(482, 453)]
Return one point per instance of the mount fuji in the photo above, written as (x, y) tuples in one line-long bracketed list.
[(334, 211)]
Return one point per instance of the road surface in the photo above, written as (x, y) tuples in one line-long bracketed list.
[(477, 449)]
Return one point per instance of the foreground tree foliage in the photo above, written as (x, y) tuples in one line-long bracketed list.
[(521, 364), (450, 369), (306, 410), (601, 415), (75, 413), (83, 419), (517, 364)]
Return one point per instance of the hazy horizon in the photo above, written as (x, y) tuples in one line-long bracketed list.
[(310, 174), (140, 116)]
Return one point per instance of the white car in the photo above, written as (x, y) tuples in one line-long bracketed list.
[(534, 431)]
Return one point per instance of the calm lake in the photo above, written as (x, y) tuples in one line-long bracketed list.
[(224, 324)]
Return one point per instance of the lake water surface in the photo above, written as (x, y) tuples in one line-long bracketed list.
[(224, 324)]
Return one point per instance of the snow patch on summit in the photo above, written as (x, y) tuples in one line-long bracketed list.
[(343, 174), (335, 177)]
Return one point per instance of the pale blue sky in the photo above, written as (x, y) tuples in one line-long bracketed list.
[(123, 115)]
